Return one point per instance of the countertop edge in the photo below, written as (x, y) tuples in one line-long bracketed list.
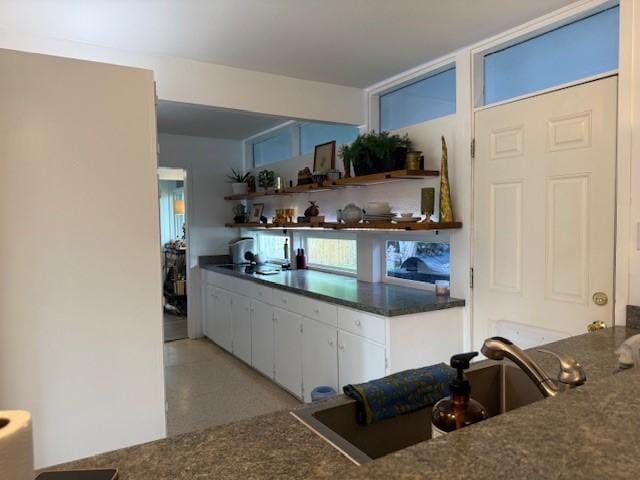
[(451, 303)]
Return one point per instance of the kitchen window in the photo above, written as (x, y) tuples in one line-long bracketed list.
[(273, 149), (312, 134), (270, 246), (427, 99), (578, 50), (420, 262), (335, 254)]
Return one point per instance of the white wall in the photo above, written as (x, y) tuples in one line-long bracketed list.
[(189, 81), (633, 243), (206, 161), (80, 304)]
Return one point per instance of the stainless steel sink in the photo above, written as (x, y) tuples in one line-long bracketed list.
[(500, 387)]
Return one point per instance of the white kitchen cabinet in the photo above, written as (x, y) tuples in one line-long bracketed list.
[(319, 356), (241, 324), (288, 350), (222, 326), (262, 339), (209, 311), (359, 360)]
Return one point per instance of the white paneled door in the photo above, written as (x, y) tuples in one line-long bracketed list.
[(544, 211)]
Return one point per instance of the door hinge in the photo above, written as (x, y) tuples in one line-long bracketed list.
[(471, 278), (386, 363), (301, 328), (473, 148)]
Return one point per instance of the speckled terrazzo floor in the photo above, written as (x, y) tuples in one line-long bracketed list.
[(206, 387)]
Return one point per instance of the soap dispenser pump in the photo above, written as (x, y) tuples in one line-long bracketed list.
[(459, 409)]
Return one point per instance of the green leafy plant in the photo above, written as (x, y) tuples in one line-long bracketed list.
[(377, 152), (237, 177), (266, 179)]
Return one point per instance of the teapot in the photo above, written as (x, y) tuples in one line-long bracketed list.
[(351, 213)]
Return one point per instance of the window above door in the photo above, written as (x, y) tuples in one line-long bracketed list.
[(578, 50)]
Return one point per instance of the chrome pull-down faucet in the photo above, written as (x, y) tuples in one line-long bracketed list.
[(571, 372)]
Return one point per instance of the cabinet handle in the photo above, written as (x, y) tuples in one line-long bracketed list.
[(341, 347), (330, 342), (284, 300), (316, 310), (358, 323)]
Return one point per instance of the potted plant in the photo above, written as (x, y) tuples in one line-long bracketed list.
[(376, 152), (267, 179), (238, 182)]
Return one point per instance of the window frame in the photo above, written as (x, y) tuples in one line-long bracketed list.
[(303, 238)]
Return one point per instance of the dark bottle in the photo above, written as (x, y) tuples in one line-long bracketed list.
[(457, 410), (302, 260)]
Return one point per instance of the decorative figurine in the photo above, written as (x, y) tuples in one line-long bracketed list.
[(312, 210), (446, 213)]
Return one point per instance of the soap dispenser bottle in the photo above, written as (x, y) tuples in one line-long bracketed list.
[(459, 409)]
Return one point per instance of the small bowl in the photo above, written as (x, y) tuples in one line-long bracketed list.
[(406, 215)]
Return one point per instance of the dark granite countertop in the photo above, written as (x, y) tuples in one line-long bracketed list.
[(590, 433), (379, 298)]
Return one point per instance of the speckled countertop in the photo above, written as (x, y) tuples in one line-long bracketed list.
[(379, 298), (590, 432)]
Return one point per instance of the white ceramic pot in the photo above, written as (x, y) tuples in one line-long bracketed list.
[(239, 188)]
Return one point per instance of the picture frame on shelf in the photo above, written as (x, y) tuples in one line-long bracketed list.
[(256, 212), (324, 157)]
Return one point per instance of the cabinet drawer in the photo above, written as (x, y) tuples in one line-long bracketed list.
[(286, 301), (214, 279), (321, 311), (262, 293), (360, 323)]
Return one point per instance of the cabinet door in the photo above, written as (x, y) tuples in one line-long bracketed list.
[(319, 356), (209, 311), (359, 360), (222, 331), (241, 322), (288, 350), (262, 342)]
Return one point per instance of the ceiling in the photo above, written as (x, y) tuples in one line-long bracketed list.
[(346, 42), (201, 121)]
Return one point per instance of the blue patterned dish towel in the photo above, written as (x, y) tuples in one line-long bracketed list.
[(400, 393)]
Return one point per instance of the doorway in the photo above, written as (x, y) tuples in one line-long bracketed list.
[(173, 242), (544, 207)]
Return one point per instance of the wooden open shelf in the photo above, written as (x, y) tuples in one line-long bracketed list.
[(363, 180), (352, 226)]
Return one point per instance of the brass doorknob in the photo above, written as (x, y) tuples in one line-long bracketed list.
[(600, 298), (597, 325)]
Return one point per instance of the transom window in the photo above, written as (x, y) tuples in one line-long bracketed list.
[(427, 99), (578, 50)]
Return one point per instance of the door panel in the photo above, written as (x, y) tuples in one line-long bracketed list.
[(359, 360), (222, 329), (319, 356), (241, 322), (544, 208), (288, 350), (262, 340)]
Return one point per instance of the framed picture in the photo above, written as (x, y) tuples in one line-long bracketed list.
[(256, 212), (324, 157)]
